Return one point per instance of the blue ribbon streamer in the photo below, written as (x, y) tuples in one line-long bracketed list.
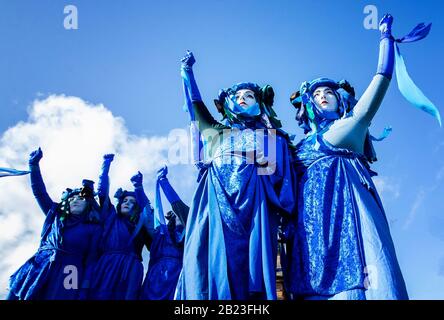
[(384, 134), (188, 106), (7, 172), (406, 85), (159, 217)]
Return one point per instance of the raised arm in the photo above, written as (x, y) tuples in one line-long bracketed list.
[(148, 220), (196, 108), (142, 199), (178, 206), (103, 185), (37, 184), (370, 101)]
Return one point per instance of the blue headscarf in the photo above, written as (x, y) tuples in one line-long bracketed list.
[(312, 118)]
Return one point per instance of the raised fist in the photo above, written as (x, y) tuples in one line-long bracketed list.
[(162, 173), (108, 157), (385, 25), (35, 156), (137, 179), (188, 60)]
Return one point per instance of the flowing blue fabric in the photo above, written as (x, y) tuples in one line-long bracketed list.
[(405, 84), (166, 256), (42, 277), (7, 172), (419, 32), (159, 216), (410, 91), (164, 267), (387, 131), (231, 233), (341, 228), (119, 271), (191, 93), (188, 106)]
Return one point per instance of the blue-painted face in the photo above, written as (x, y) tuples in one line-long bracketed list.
[(245, 98)]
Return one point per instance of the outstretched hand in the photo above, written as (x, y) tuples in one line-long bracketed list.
[(137, 179), (188, 60), (35, 156), (385, 25)]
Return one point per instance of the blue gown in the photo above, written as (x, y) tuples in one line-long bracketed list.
[(166, 256), (231, 233), (73, 242), (119, 271), (342, 247)]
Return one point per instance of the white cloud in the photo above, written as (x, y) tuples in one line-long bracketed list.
[(420, 196), (73, 135), (387, 187)]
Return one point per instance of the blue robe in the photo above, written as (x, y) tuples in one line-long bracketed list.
[(342, 247), (166, 254), (231, 232), (71, 243), (119, 271)]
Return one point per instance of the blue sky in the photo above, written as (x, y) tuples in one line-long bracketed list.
[(126, 55)]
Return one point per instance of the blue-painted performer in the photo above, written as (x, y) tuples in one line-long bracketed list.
[(62, 267), (166, 251), (231, 232), (119, 272), (342, 246)]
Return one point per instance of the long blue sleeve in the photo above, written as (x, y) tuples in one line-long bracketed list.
[(386, 48), (181, 210), (141, 197), (189, 84), (171, 195), (386, 56), (149, 221), (103, 185), (39, 189)]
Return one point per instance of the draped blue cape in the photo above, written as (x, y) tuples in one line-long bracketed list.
[(42, 277), (231, 233)]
